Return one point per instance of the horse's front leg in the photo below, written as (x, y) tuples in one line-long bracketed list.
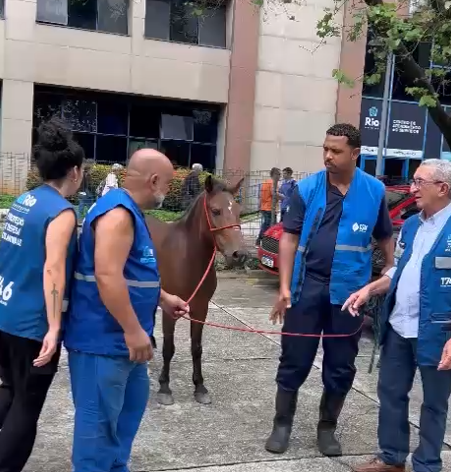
[(164, 395), (200, 391)]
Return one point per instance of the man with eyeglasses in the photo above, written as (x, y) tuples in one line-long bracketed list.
[(415, 327)]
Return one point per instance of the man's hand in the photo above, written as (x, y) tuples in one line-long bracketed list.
[(385, 269), (173, 305), (49, 345), (139, 345), (445, 361), (283, 303), (356, 300)]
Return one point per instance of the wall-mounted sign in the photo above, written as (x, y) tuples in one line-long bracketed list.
[(370, 116), (406, 130)]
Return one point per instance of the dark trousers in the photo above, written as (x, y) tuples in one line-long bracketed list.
[(314, 314), (22, 396), (265, 224), (396, 376)]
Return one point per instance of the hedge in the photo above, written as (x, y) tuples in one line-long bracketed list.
[(98, 173)]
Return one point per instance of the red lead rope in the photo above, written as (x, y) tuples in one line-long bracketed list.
[(248, 329)]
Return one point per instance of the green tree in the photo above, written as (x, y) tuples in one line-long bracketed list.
[(428, 23)]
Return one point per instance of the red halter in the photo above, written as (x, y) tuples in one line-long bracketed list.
[(212, 230)]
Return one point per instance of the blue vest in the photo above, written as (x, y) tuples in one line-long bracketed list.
[(435, 291), (90, 326), (22, 258), (351, 266)]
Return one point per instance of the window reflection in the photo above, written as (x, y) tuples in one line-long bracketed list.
[(112, 127)]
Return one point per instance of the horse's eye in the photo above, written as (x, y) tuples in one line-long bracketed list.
[(216, 212)]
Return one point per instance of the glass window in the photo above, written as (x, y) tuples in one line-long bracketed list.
[(144, 122), (392, 198), (2, 8), (86, 141), (158, 14), (177, 127), (212, 27), (177, 151), (51, 11), (203, 154), (205, 126), (184, 22), (112, 117), (370, 166), (83, 14), (136, 144), (111, 149), (80, 114), (45, 107), (112, 16)]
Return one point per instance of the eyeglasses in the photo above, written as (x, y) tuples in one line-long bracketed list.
[(421, 182)]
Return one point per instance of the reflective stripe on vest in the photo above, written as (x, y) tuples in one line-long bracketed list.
[(443, 262), (344, 247), (130, 283)]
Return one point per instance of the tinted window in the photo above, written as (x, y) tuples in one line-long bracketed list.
[(409, 211), (158, 14), (393, 198)]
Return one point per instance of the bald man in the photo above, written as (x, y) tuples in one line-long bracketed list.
[(113, 303)]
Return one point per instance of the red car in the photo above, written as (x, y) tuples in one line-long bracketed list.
[(401, 205)]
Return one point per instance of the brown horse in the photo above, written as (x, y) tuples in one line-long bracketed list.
[(184, 251)]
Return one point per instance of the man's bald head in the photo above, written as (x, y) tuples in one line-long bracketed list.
[(148, 175), (151, 161)]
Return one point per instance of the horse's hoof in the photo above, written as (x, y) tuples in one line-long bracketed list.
[(165, 399), (202, 397)]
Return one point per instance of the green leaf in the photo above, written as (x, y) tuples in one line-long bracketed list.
[(428, 101)]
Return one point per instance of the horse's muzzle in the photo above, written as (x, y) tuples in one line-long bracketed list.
[(240, 257)]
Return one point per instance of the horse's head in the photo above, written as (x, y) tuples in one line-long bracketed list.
[(223, 216)]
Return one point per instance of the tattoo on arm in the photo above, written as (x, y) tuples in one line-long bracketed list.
[(55, 298)]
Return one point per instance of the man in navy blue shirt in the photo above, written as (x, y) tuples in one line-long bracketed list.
[(325, 251)]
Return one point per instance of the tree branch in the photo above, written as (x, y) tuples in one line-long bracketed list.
[(414, 75)]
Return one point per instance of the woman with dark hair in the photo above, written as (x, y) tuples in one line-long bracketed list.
[(37, 249)]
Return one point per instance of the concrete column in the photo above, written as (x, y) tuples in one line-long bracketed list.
[(240, 108), (16, 129)]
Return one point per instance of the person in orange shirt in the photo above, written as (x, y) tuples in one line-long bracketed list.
[(266, 201)]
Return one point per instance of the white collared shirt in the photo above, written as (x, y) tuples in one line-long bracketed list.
[(405, 316)]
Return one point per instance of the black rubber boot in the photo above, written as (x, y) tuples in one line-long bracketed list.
[(329, 411), (283, 421)]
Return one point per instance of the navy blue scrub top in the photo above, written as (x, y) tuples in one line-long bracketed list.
[(322, 246)]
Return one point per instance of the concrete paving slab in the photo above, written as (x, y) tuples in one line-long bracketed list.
[(243, 294), (350, 461), (229, 434), (218, 343), (367, 384), (317, 464)]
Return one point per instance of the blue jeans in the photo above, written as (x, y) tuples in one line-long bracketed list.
[(110, 396), (396, 376)]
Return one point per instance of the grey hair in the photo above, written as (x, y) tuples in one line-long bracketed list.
[(442, 169), (197, 167)]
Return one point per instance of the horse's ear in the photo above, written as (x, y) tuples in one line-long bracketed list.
[(236, 188), (209, 183)]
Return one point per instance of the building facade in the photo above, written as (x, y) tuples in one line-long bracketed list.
[(237, 87)]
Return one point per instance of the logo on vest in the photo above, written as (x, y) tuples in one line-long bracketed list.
[(448, 243), (147, 255), (360, 228), (445, 282), (27, 200)]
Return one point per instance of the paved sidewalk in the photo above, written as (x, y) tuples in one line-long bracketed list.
[(229, 434)]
